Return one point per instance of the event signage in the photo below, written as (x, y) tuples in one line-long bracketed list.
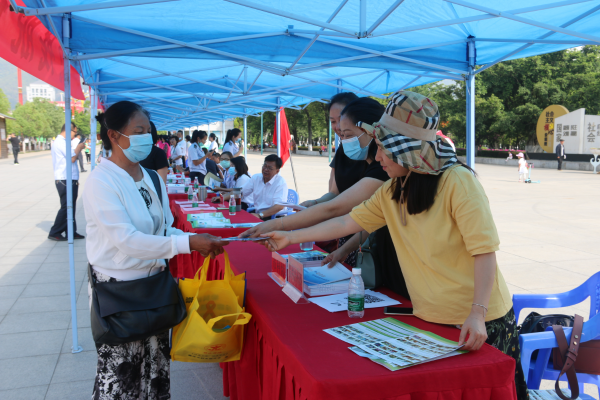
[(545, 126)]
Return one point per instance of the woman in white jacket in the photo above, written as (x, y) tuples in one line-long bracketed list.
[(129, 237)]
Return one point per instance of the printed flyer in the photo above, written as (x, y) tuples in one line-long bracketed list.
[(547, 394), (394, 344)]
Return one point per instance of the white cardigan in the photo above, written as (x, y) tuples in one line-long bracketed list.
[(120, 232)]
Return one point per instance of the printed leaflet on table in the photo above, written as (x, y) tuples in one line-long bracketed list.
[(394, 344), (339, 302)]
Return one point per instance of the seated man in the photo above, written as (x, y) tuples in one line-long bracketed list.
[(266, 189)]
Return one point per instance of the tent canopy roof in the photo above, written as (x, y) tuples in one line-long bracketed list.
[(192, 61)]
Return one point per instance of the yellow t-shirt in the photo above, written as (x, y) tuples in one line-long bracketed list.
[(436, 247)]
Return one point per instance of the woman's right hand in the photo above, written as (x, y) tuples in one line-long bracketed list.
[(207, 245), (337, 256), (308, 203), (277, 240), (261, 229)]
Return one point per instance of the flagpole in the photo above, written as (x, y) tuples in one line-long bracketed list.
[(293, 172)]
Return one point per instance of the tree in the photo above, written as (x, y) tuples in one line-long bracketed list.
[(4, 103), (37, 118)]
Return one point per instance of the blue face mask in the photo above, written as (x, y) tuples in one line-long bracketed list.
[(239, 141), (231, 171), (140, 147), (353, 150), (225, 164)]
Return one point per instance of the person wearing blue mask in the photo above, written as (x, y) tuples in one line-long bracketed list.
[(130, 236), (357, 177), (197, 157), (238, 171), (233, 142)]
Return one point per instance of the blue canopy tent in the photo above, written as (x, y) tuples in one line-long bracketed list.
[(191, 61)]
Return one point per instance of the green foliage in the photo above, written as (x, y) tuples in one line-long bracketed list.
[(4, 103), (38, 118), (511, 95)]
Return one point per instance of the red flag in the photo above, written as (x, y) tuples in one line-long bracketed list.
[(27, 44), (285, 137)]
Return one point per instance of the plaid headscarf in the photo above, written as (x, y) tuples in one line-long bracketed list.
[(407, 131)]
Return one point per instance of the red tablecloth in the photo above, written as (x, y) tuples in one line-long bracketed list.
[(186, 265), (288, 356)]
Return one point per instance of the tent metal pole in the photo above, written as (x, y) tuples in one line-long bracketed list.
[(70, 234), (223, 133), (470, 95), (84, 7), (261, 133), (329, 142), (93, 126), (278, 129), (362, 18), (245, 133)]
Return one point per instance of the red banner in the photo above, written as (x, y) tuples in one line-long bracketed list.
[(27, 44), (285, 137)]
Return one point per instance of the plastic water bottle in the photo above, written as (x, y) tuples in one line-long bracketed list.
[(195, 204), (196, 183), (356, 295), (232, 205)]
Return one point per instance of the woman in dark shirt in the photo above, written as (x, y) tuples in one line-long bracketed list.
[(157, 160), (370, 176)]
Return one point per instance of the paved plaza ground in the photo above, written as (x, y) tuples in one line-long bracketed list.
[(550, 235)]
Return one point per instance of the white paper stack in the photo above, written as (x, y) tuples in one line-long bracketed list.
[(321, 281)]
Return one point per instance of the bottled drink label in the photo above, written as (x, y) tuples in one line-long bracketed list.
[(195, 185), (190, 195), (356, 303), (232, 208), (194, 205), (186, 189)]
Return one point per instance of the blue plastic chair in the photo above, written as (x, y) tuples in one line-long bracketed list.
[(292, 199), (546, 341)]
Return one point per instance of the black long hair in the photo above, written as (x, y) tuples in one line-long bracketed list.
[(212, 135), (365, 110), (197, 135), (231, 134), (240, 167), (420, 190), (343, 98), (117, 117)]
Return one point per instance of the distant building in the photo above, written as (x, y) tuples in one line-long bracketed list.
[(40, 90), (217, 128)]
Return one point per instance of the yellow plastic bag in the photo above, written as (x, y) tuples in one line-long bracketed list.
[(189, 287), (213, 329)]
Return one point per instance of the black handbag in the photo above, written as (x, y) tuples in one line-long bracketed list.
[(126, 311), (535, 322)]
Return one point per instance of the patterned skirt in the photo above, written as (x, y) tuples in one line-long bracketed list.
[(133, 371), (504, 335)]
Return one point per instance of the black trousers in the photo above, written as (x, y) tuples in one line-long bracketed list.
[(60, 223), (560, 161), (16, 155), (200, 176)]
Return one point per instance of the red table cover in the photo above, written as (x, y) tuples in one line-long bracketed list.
[(287, 355), (186, 265)]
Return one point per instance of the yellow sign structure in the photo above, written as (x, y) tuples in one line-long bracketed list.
[(545, 126)]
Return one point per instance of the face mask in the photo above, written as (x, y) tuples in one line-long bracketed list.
[(225, 164), (239, 140), (353, 150), (140, 147), (231, 171)]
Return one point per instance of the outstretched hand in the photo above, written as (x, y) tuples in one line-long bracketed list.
[(334, 258), (207, 245), (277, 240), (261, 229)]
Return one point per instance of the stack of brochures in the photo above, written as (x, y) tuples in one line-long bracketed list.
[(394, 344), (324, 280)]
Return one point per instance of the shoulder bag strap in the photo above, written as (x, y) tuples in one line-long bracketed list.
[(568, 353), (155, 180)]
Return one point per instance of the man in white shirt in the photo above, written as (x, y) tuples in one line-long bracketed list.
[(61, 162), (267, 188)]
